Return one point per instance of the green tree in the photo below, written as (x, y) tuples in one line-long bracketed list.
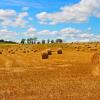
[(23, 41), (43, 41), (38, 42), (59, 40), (52, 41), (34, 40), (31, 40), (28, 41), (48, 41)]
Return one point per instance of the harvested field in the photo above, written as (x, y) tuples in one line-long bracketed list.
[(72, 75)]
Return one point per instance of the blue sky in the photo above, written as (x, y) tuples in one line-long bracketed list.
[(71, 20)]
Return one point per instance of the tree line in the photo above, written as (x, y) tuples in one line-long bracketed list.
[(3, 41), (35, 41)]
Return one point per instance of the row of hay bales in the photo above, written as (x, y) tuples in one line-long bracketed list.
[(95, 58), (14, 50), (45, 54), (20, 49)]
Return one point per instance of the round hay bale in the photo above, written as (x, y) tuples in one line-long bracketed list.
[(44, 55), (49, 51), (13, 53), (96, 71), (35, 50), (8, 51), (96, 58), (27, 51), (59, 51), (93, 50), (24, 51), (0, 52)]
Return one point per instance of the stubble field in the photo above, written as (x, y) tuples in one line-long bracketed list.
[(24, 75)]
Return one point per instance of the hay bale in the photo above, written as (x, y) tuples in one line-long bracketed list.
[(93, 50), (59, 51), (13, 53), (35, 50), (0, 52), (89, 47), (96, 71), (9, 51), (78, 49), (44, 55), (96, 58), (27, 51), (49, 51), (24, 51)]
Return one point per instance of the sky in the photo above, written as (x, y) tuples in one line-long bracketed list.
[(70, 20)]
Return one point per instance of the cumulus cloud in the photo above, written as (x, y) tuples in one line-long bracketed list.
[(30, 32), (7, 34), (6, 14), (68, 34), (12, 18), (25, 8), (47, 32), (76, 13), (69, 30), (65, 33), (78, 35)]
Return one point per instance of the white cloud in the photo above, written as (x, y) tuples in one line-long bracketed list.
[(69, 31), (79, 12), (74, 33), (47, 32), (78, 35), (85, 35), (12, 18), (68, 34), (5, 14), (20, 21), (7, 34), (25, 8), (30, 32)]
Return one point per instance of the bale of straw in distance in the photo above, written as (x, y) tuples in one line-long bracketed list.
[(13, 53), (59, 51), (96, 58), (49, 51), (44, 55), (24, 51), (0, 52), (35, 50), (93, 49), (27, 51)]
